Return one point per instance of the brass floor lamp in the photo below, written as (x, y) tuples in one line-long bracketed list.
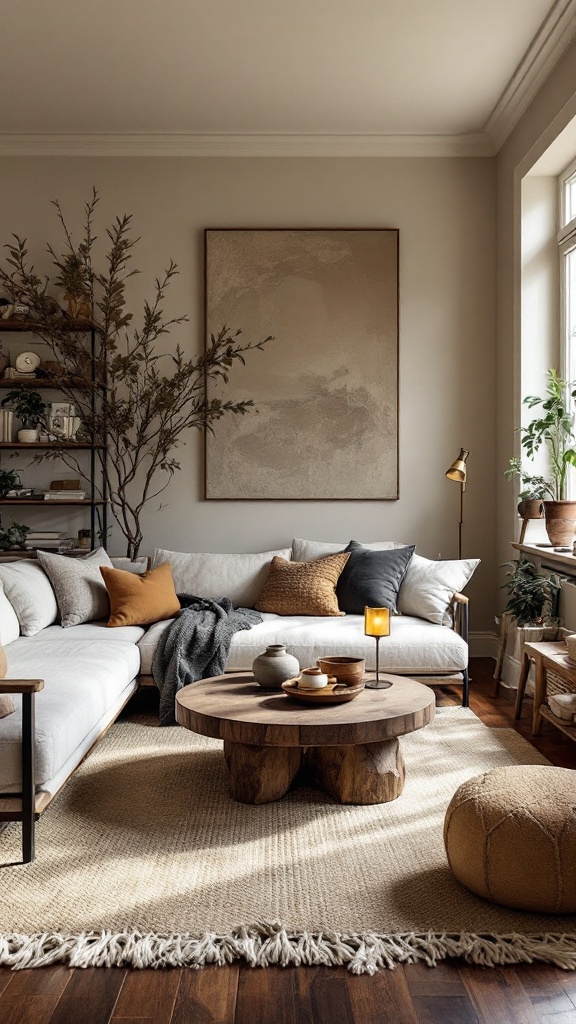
[(457, 472)]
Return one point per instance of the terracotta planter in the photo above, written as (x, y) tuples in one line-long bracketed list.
[(560, 522), (531, 508)]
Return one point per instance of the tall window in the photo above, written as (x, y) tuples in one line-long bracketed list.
[(567, 247)]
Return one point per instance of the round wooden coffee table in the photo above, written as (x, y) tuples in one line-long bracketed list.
[(353, 748)]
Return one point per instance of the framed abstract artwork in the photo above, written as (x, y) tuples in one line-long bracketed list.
[(325, 390)]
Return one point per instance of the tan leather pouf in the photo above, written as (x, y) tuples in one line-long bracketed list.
[(510, 836)]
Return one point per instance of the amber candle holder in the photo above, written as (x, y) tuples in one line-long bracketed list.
[(377, 624)]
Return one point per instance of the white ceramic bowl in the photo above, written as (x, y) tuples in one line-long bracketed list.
[(312, 679)]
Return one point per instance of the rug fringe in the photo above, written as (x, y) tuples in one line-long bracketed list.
[(261, 945)]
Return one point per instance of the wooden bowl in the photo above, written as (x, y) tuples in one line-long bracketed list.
[(349, 671), (335, 694)]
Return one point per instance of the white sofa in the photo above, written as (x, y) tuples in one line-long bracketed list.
[(91, 671)]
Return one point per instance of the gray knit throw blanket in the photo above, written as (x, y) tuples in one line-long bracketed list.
[(196, 646)]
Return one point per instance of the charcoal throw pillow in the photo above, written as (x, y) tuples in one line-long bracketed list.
[(371, 578)]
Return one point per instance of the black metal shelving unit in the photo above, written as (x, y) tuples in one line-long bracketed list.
[(96, 447)]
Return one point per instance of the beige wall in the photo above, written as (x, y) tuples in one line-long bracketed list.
[(445, 211), (549, 113)]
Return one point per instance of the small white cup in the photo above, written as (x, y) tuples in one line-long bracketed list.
[(312, 679)]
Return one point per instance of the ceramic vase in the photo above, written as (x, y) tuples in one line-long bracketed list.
[(274, 667)]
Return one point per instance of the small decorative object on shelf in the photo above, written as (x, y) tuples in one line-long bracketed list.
[(9, 479), (14, 536), (377, 624), (84, 539), (29, 408), (274, 667)]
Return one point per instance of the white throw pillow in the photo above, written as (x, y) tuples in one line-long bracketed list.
[(241, 577), (428, 587), (30, 593), (310, 550), (78, 584), (9, 625)]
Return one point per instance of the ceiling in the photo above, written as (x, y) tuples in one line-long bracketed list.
[(451, 70)]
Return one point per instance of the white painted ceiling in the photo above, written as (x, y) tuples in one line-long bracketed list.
[(308, 67)]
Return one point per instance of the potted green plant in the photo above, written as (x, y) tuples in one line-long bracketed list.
[(531, 594), (14, 536), (535, 489), (29, 408), (554, 428), (9, 479)]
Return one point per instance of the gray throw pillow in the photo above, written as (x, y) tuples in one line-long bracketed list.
[(78, 585), (371, 578)]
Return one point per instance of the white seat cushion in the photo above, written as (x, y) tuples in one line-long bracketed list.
[(148, 644), (88, 631), (414, 647), (83, 679)]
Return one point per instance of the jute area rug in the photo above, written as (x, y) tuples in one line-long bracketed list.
[(145, 860)]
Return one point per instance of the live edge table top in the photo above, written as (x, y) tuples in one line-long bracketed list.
[(233, 707)]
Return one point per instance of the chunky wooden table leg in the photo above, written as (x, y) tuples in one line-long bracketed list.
[(371, 773), (260, 774)]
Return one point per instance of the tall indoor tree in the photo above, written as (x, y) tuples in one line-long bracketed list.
[(141, 401)]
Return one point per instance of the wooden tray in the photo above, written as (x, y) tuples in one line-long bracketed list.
[(337, 694)]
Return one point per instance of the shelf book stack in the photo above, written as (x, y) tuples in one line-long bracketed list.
[(67, 495), (48, 539)]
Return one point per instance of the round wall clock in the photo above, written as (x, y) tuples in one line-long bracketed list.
[(27, 362)]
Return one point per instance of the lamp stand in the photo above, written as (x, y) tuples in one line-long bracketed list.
[(377, 684), (461, 522)]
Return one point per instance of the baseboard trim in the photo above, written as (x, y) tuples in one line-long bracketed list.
[(483, 645)]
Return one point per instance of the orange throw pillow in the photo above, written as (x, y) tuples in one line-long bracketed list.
[(138, 600)]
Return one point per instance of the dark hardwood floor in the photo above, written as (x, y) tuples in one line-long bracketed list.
[(451, 993)]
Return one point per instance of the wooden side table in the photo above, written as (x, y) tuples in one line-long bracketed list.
[(545, 655)]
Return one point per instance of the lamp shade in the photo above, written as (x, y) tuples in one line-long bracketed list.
[(377, 621), (457, 471)]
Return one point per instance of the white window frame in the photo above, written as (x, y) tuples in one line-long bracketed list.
[(566, 238)]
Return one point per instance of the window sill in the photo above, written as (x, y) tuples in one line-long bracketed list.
[(559, 560)]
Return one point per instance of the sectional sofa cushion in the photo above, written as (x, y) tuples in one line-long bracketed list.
[(303, 588), (86, 681), (413, 648), (136, 600), (308, 550), (30, 593), (78, 585), (371, 578), (241, 577), (428, 587), (9, 625)]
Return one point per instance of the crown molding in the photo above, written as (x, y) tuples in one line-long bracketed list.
[(550, 42), (165, 145)]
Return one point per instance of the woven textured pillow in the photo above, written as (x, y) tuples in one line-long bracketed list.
[(303, 588), (137, 600)]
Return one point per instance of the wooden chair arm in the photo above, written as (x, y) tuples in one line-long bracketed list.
[(21, 685), (459, 604)]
